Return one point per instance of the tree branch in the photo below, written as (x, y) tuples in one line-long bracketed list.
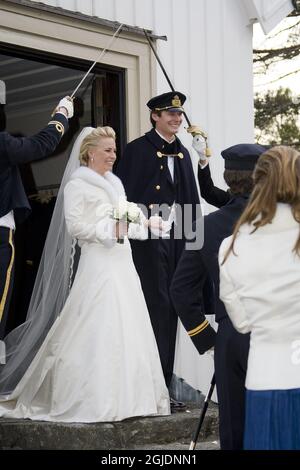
[(292, 26), (264, 55), (294, 13), (282, 76)]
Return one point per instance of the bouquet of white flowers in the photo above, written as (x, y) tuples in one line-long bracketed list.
[(126, 212)]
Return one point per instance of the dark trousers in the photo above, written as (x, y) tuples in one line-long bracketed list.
[(231, 354), (7, 258), (155, 261), (165, 321)]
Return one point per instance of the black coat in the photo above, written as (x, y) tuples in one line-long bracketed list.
[(146, 177), (147, 181), (192, 270), (211, 193), (19, 150)]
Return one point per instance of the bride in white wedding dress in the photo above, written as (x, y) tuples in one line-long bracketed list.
[(99, 360)]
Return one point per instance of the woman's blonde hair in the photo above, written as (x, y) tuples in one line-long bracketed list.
[(92, 140), (276, 179)]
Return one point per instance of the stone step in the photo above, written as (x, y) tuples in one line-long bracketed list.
[(129, 434), (200, 445)]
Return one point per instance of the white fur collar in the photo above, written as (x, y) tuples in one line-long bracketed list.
[(109, 182)]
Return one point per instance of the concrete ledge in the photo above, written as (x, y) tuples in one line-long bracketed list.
[(178, 427)]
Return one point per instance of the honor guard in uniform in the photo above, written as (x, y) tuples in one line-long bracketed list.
[(157, 169), (14, 205), (231, 347)]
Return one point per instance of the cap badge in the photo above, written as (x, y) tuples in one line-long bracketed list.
[(176, 102)]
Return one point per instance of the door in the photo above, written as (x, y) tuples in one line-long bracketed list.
[(34, 84)]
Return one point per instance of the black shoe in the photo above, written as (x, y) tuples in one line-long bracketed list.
[(177, 405)]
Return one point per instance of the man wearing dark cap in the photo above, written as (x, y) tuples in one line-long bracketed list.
[(231, 347), (156, 169)]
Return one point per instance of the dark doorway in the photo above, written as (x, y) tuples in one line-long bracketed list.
[(35, 81)]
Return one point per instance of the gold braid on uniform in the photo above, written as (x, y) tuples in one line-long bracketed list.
[(59, 126), (8, 275), (198, 328)]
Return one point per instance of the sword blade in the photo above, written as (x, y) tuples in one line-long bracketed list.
[(98, 59)]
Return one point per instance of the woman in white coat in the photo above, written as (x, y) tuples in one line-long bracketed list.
[(99, 360), (260, 287)]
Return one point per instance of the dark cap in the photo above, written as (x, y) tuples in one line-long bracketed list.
[(242, 156), (171, 101)]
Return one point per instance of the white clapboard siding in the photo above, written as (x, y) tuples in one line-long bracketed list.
[(131, 12)]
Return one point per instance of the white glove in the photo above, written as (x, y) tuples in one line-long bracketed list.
[(66, 103), (200, 147), (199, 144)]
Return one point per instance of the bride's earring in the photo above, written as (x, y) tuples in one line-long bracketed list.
[(92, 159)]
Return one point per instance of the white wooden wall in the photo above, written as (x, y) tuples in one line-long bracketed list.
[(208, 56)]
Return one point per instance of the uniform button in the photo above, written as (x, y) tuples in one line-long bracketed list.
[(161, 167), (157, 187)]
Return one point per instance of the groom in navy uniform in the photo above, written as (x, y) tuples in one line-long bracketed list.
[(14, 205), (156, 169)]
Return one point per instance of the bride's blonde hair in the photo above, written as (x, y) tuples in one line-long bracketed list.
[(276, 179), (92, 140)]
